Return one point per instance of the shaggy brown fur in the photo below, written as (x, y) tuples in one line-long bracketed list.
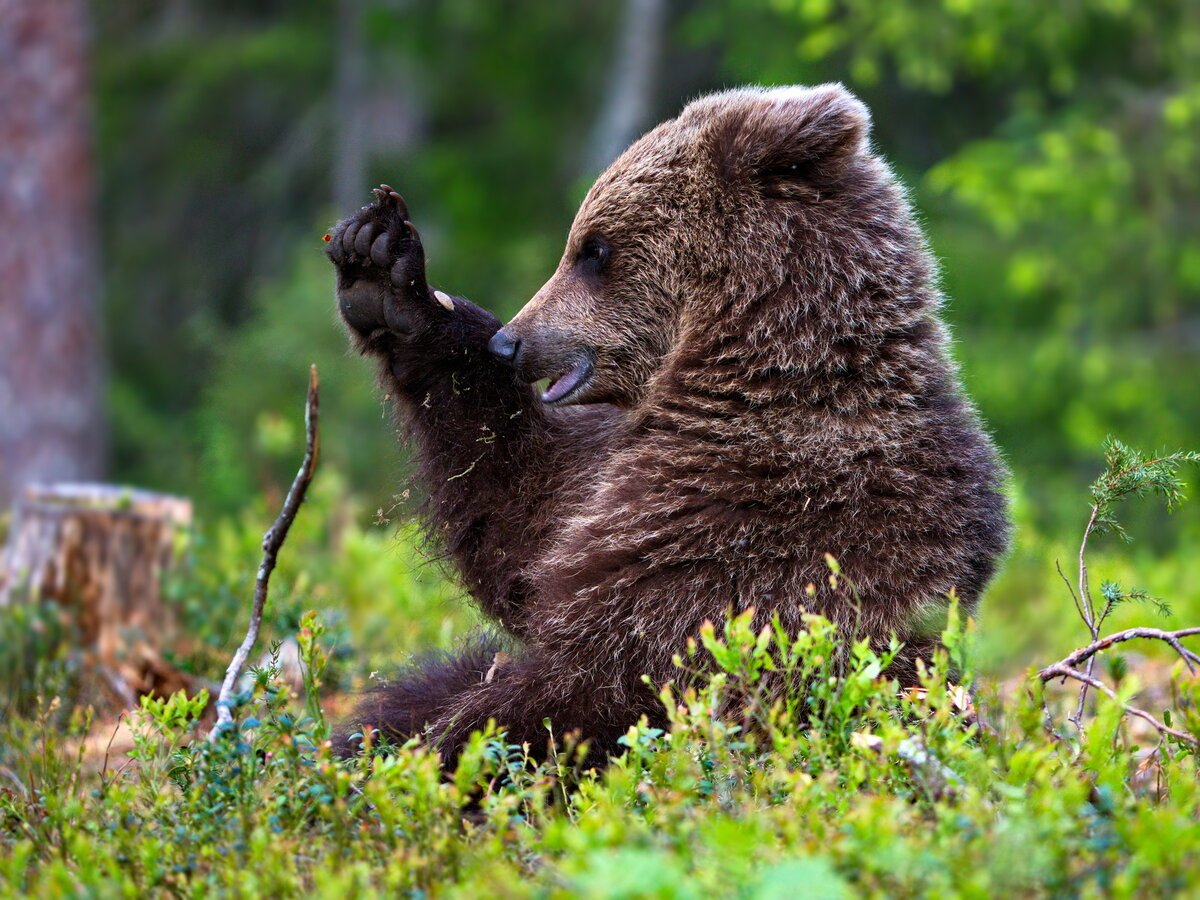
[(749, 372)]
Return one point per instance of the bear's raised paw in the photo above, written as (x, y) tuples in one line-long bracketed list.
[(381, 268)]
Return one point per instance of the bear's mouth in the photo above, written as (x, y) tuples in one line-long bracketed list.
[(569, 384)]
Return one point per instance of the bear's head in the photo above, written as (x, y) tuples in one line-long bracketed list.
[(732, 200)]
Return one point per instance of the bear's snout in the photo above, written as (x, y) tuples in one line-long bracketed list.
[(504, 347), (553, 355)]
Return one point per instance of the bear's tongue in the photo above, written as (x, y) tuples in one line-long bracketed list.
[(564, 384)]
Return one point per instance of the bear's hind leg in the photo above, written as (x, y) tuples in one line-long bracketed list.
[(401, 707)]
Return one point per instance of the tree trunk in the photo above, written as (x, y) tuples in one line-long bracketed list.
[(100, 552), (51, 424), (631, 83)]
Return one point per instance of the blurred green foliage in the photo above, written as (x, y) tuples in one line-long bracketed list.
[(1052, 150)]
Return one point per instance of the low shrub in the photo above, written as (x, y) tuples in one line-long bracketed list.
[(845, 786), (792, 765)]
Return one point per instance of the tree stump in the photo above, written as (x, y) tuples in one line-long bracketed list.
[(100, 552)]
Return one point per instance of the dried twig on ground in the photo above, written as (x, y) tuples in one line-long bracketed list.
[(1058, 670), (1169, 637), (271, 543)]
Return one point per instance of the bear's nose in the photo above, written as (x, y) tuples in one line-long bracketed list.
[(504, 347)]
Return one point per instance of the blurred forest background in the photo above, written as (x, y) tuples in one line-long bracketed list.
[(1052, 148)]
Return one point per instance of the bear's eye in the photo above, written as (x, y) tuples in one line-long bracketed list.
[(594, 254)]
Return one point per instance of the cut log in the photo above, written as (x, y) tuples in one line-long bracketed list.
[(100, 553)]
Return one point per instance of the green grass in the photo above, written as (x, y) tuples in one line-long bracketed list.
[(839, 786), (856, 789)]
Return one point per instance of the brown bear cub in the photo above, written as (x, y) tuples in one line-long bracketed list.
[(746, 372)]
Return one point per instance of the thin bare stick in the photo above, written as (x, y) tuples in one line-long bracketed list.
[(1089, 612), (1070, 589), (271, 543), (1170, 637), (108, 749), (1085, 595), (1060, 671)]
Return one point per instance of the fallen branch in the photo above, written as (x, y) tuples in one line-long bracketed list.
[(1169, 637), (271, 543), (1058, 670)]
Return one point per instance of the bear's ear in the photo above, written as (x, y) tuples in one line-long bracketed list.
[(785, 139)]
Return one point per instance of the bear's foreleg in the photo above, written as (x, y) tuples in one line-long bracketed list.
[(490, 461)]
